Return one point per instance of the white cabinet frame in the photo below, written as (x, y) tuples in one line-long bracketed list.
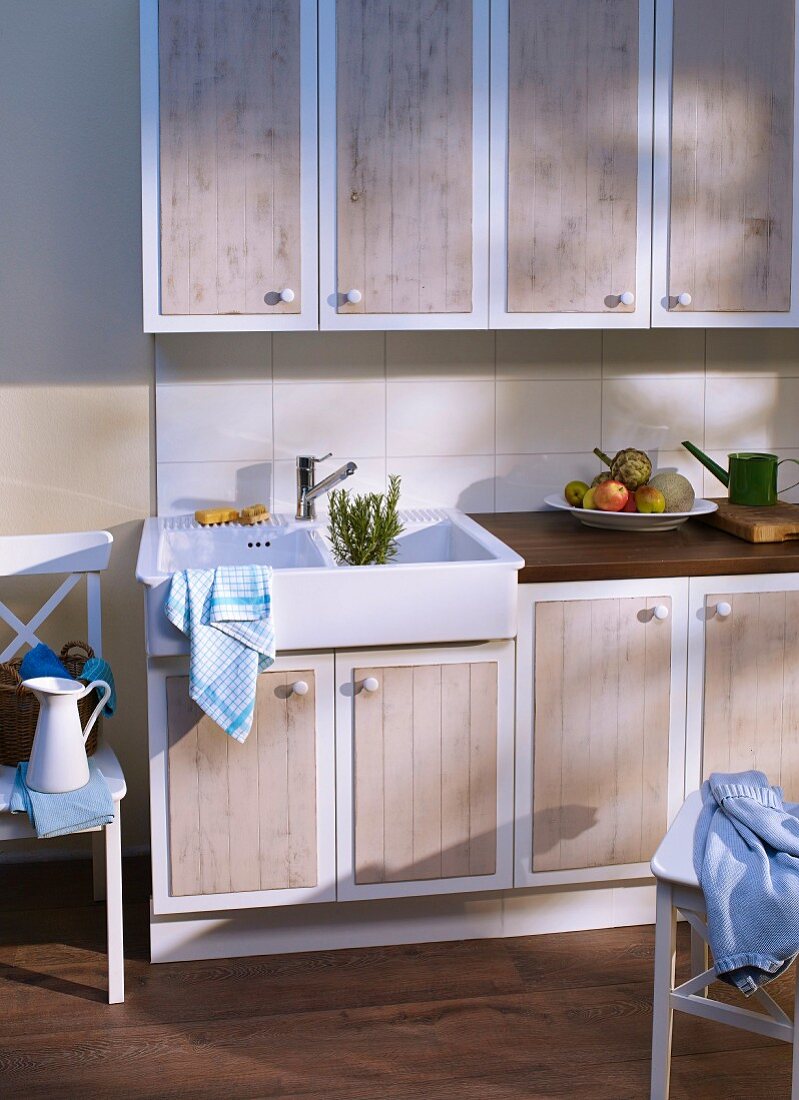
[(663, 314), (529, 596), (325, 890), (346, 661), (154, 320), (499, 316), (329, 290)]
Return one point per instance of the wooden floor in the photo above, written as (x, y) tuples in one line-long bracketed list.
[(549, 1016)]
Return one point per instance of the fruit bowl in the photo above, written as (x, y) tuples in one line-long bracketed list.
[(631, 521)]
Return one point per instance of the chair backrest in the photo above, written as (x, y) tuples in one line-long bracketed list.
[(78, 554)]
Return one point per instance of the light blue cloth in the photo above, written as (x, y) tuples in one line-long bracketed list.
[(42, 661), (746, 856), (227, 615), (58, 814), (98, 669)]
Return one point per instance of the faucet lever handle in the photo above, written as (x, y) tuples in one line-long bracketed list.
[(324, 457)]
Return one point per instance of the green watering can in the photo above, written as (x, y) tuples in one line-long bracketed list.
[(752, 478)]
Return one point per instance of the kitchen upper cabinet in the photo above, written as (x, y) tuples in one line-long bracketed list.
[(251, 823), (725, 186), (745, 669), (600, 727), (404, 163), (571, 132), (229, 164), (425, 766)]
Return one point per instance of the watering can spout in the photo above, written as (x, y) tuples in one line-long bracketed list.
[(708, 463)]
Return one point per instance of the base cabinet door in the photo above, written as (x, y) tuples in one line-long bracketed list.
[(251, 823), (600, 727), (745, 665), (424, 775)]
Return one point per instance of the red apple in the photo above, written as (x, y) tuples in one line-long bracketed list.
[(632, 503), (611, 496)]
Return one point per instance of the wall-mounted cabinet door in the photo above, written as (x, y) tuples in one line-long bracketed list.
[(252, 823), (744, 679), (571, 131), (725, 182), (424, 743), (404, 163), (229, 164), (600, 727)]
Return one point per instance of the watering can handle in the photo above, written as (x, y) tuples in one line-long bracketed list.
[(106, 695), (787, 487)]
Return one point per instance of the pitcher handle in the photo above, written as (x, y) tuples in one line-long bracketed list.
[(787, 487), (106, 695)]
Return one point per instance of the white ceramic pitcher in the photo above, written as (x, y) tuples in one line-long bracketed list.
[(58, 760)]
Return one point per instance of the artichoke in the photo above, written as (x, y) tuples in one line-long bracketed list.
[(631, 467), (604, 476)]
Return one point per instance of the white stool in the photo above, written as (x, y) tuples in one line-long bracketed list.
[(81, 556), (678, 889)]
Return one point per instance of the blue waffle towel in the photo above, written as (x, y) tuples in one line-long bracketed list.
[(42, 661), (746, 856), (227, 615), (58, 814)]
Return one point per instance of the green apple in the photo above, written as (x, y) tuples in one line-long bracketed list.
[(574, 493), (649, 499), (588, 499)]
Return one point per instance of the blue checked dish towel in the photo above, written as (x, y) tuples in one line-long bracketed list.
[(59, 814), (746, 856), (227, 615)]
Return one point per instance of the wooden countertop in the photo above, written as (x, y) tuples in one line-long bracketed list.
[(557, 548)]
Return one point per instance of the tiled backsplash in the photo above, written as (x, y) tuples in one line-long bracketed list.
[(479, 420)]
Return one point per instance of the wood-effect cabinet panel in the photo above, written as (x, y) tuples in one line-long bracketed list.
[(732, 127), (230, 173), (242, 816), (572, 155), (602, 717), (751, 686)]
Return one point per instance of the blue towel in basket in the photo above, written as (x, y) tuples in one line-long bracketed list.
[(227, 614), (59, 814)]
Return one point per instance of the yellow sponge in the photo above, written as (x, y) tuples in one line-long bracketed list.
[(208, 516)]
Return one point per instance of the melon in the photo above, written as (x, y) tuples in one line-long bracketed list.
[(677, 490)]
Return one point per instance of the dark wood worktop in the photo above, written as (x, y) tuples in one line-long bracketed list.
[(556, 547)]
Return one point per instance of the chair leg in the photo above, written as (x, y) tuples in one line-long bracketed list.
[(700, 959), (662, 1014), (98, 865), (795, 1058), (113, 864)]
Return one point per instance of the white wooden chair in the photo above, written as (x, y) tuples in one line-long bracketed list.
[(80, 556), (678, 890)]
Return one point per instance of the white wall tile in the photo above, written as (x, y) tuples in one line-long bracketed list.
[(539, 417), (186, 486), (652, 413), (752, 412), (525, 354), (653, 352), (213, 357), (328, 356), (437, 355), (465, 482), (205, 423), (524, 480), (756, 352), (440, 418), (347, 418), (370, 477)]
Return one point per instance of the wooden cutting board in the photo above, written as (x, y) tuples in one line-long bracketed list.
[(775, 524)]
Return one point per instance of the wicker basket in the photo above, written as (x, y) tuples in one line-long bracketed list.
[(19, 708)]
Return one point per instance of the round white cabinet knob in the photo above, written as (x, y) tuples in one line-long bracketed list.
[(370, 684), (661, 612), (299, 687), (354, 296), (287, 295), (627, 298), (684, 299), (723, 609)]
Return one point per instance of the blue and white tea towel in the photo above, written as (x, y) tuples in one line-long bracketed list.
[(227, 615), (746, 856), (58, 814)]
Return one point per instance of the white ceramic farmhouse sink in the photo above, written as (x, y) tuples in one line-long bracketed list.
[(450, 581)]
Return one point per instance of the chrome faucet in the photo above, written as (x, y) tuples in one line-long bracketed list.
[(307, 487)]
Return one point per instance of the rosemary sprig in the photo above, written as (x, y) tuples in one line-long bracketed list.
[(364, 527)]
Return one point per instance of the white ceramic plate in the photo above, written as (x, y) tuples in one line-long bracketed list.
[(631, 521)]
